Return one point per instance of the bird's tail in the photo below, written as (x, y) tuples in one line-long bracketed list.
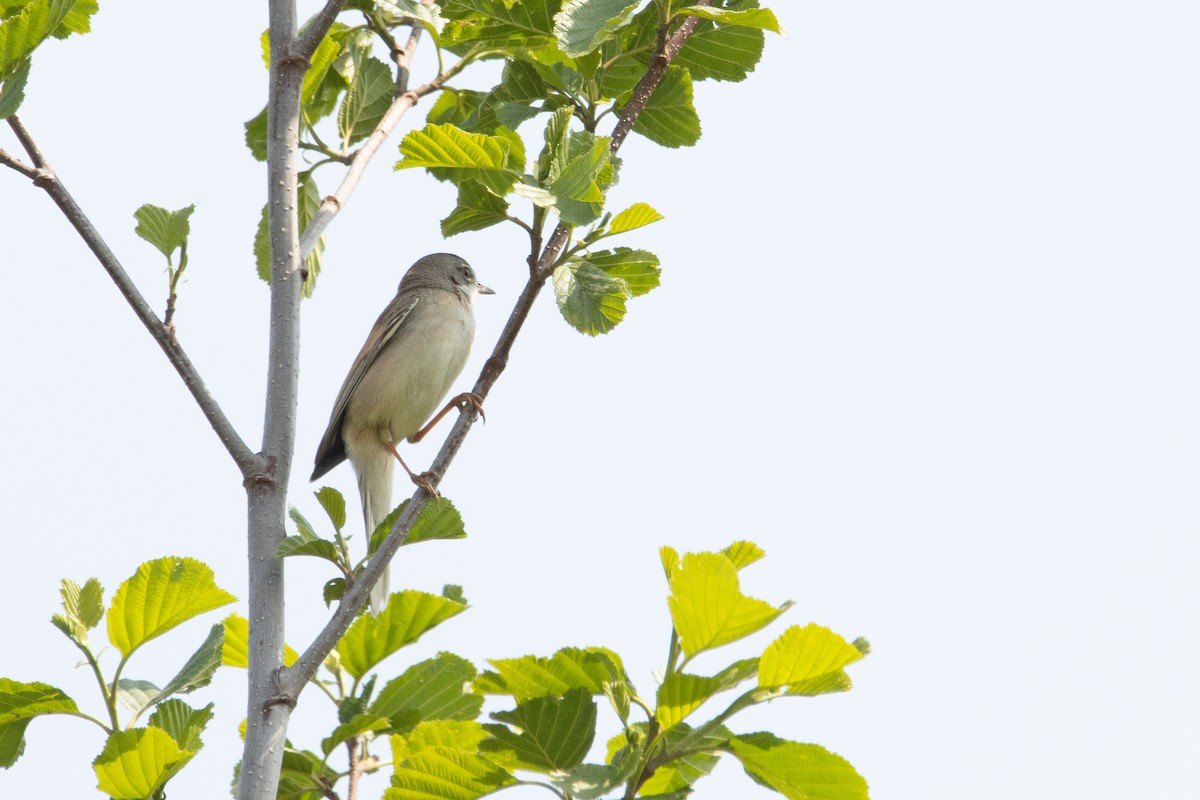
[(375, 489)]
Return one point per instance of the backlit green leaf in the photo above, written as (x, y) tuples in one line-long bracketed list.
[(636, 216), (162, 594), (407, 616), (570, 668), (136, 763), (707, 604), (681, 694), (166, 230), (807, 660), (761, 18), (798, 771)]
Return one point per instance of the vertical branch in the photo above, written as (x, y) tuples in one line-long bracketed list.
[(267, 717)]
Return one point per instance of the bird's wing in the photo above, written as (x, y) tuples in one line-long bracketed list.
[(332, 450)]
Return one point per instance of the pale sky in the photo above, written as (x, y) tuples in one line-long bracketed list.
[(927, 334)]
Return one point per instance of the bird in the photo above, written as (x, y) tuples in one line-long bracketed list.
[(414, 352)]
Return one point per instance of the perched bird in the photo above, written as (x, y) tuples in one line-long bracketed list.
[(415, 351)]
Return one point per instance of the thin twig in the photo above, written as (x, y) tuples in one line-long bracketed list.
[(320, 26), (45, 178), (19, 165), (332, 204), (649, 82)]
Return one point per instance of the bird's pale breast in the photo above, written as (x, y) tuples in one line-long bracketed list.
[(413, 373)]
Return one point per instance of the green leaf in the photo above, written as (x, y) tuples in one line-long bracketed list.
[(262, 248), (12, 93), (477, 209), (736, 673), (708, 607), (636, 216), (83, 608), (583, 25), (484, 158), (463, 736), (23, 701), (256, 135), (333, 590), (334, 504), (637, 268), (160, 595), (24, 31), (798, 771), (807, 660), (166, 230), (431, 689), (743, 553), (136, 763), (199, 669), (310, 204), (761, 18), (591, 300), (499, 24), (674, 778), (304, 775), (669, 117), (552, 733), (183, 723), (593, 781), (427, 15), (722, 52), (681, 694), (367, 99), (524, 678), (580, 172), (438, 520), (443, 773), (137, 695), (300, 546), (318, 67), (357, 726), (235, 644), (12, 742), (407, 616), (305, 528)]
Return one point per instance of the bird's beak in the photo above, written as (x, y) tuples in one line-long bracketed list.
[(479, 287)]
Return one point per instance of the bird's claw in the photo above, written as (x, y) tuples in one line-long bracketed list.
[(425, 481), (471, 399)]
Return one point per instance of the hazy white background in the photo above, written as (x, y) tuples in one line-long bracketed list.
[(927, 333)]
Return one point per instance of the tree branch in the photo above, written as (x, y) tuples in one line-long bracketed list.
[(319, 26), (43, 176), (666, 53), (267, 712), (332, 204)]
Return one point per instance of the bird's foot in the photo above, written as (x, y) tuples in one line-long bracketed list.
[(425, 481), (472, 400)]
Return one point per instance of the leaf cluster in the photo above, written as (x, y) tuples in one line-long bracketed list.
[(443, 746), (137, 760)]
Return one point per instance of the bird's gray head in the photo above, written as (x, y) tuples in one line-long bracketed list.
[(443, 271)]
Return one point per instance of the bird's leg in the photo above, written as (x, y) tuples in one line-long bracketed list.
[(460, 401), (422, 480)]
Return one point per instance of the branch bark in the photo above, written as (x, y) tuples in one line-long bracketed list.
[(44, 177), (267, 716)]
